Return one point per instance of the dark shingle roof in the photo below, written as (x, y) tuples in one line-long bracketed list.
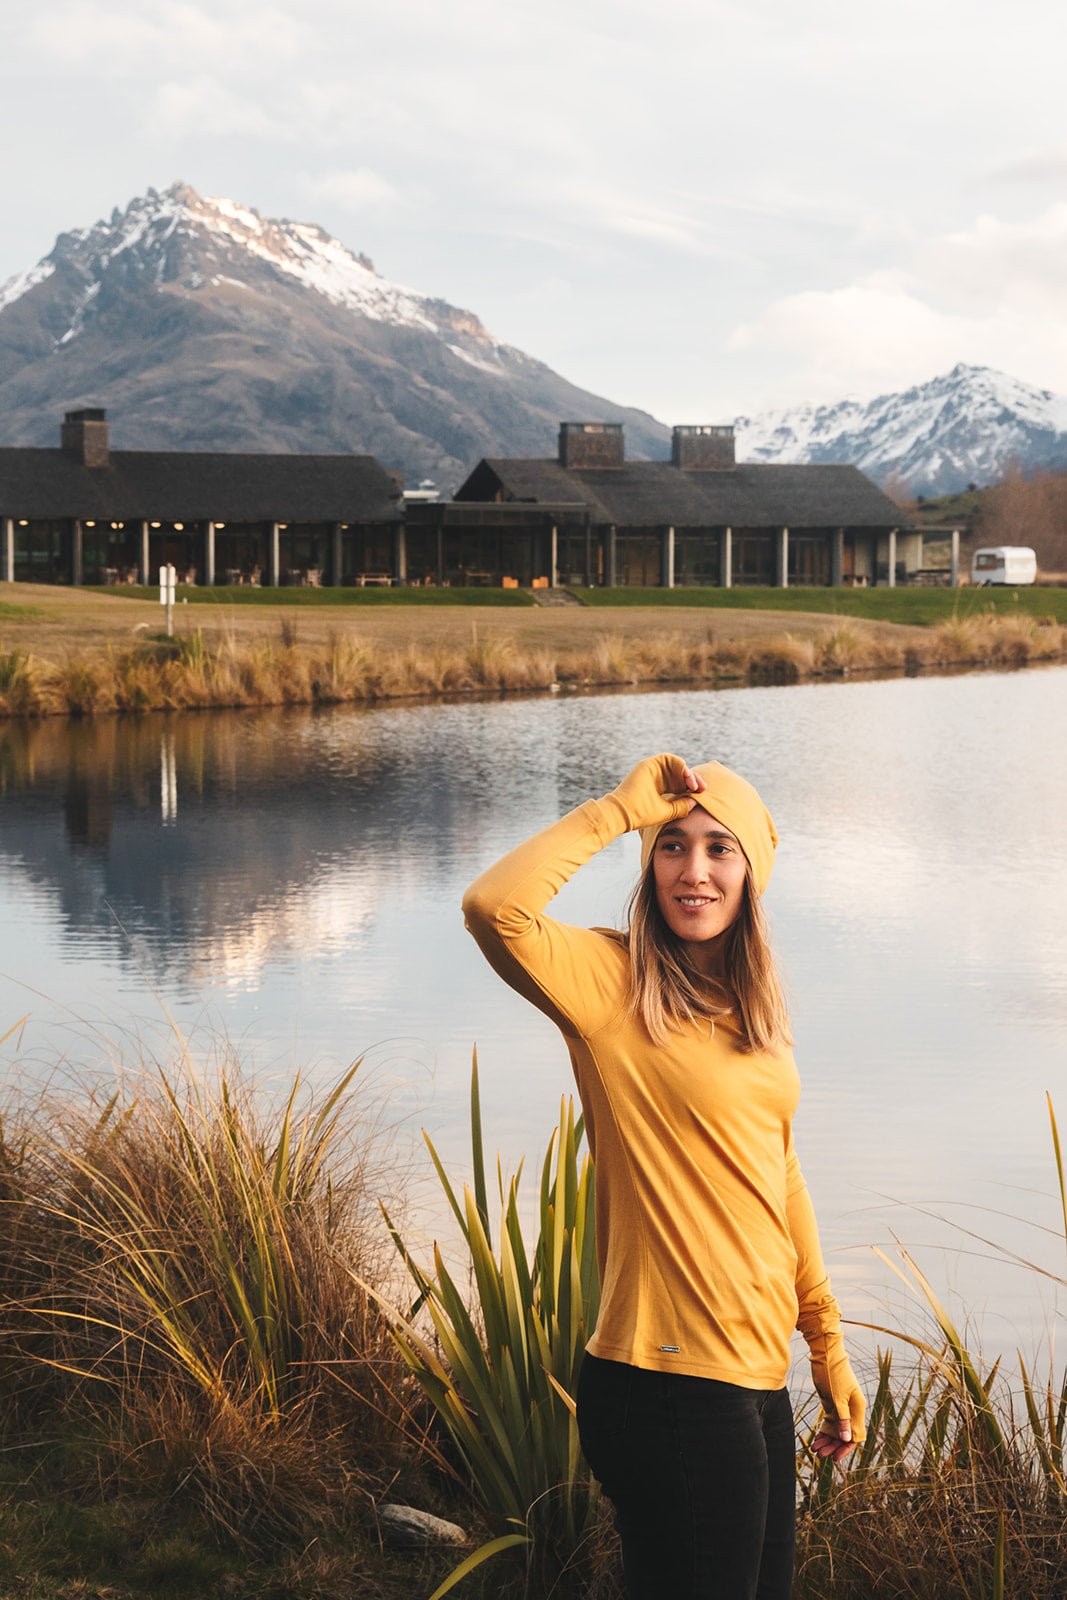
[(656, 494), (189, 485)]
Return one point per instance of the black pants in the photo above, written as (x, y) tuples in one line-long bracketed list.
[(702, 1476)]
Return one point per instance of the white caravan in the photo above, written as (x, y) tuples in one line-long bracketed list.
[(1004, 563)]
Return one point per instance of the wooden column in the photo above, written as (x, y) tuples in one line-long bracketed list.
[(400, 554), (336, 555), (837, 558), (588, 553), (954, 576), (553, 558), (209, 553), (726, 559), (274, 556), (7, 551), (781, 563), (143, 556), (440, 545), (891, 558), (77, 573), (610, 547), (668, 558)]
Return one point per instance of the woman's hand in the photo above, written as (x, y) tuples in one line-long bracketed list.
[(844, 1406), (658, 790), (834, 1439)]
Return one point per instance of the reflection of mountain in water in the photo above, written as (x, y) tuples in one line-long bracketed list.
[(216, 841)]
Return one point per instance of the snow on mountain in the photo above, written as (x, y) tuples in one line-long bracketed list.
[(301, 250), (964, 427), (201, 325), (22, 282)]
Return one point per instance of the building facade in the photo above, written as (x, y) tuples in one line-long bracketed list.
[(87, 514), (699, 519), (84, 513)]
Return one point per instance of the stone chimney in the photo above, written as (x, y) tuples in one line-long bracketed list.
[(84, 436), (591, 444), (703, 449)]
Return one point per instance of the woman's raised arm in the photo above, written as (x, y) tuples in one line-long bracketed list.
[(572, 974)]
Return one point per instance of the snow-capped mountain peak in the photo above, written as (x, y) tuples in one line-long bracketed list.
[(962, 427), (194, 242), (200, 324)]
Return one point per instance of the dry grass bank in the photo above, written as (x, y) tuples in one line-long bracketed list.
[(293, 666)]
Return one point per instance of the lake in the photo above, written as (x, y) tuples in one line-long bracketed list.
[(290, 882)]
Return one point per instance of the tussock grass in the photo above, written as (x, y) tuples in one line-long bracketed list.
[(195, 672), (177, 1272)]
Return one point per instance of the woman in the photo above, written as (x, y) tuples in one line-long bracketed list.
[(706, 1237)]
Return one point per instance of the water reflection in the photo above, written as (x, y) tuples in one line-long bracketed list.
[(296, 877)]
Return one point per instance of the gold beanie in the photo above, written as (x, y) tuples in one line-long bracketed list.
[(731, 800)]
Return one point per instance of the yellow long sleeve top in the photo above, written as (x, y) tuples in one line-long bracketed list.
[(706, 1237)]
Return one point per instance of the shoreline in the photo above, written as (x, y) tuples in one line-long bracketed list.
[(225, 670)]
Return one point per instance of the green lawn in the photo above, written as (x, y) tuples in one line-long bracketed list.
[(959, 509), (876, 605), (253, 595)]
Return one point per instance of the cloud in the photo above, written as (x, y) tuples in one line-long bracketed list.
[(357, 189), (206, 107), (990, 293), (863, 336), (995, 264), (120, 37), (1032, 167)]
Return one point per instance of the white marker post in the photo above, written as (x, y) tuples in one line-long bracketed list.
[(167, 577)]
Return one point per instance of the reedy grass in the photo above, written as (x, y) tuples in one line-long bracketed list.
[(173, 1280), (959, 1488), (195, 672)]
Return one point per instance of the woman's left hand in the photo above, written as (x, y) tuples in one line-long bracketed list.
[(834, 1439)]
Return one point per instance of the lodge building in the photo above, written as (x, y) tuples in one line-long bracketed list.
[(699, 519), (86, 514)]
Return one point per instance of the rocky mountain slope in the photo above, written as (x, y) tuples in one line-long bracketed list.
[(201, 325), (965, 427)]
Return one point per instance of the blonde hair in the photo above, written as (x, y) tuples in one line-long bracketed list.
[(667, 989)]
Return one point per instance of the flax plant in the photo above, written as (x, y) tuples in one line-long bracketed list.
[(502, 1376)]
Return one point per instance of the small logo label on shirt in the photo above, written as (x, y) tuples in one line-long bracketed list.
[(671, 1349)]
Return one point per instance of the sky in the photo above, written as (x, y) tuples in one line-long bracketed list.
[(702, 208)]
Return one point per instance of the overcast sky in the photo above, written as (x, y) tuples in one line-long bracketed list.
[(699, 208)]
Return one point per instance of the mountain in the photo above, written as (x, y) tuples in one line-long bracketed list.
[(201, 325), (965, 427)]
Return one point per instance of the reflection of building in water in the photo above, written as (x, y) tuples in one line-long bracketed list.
[(276, 846), (87, 813), (332, 914), (168, 780)]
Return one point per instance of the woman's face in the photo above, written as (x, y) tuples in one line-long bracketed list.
[(699, 870)]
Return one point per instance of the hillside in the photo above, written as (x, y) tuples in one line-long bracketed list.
[(201, 325)]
